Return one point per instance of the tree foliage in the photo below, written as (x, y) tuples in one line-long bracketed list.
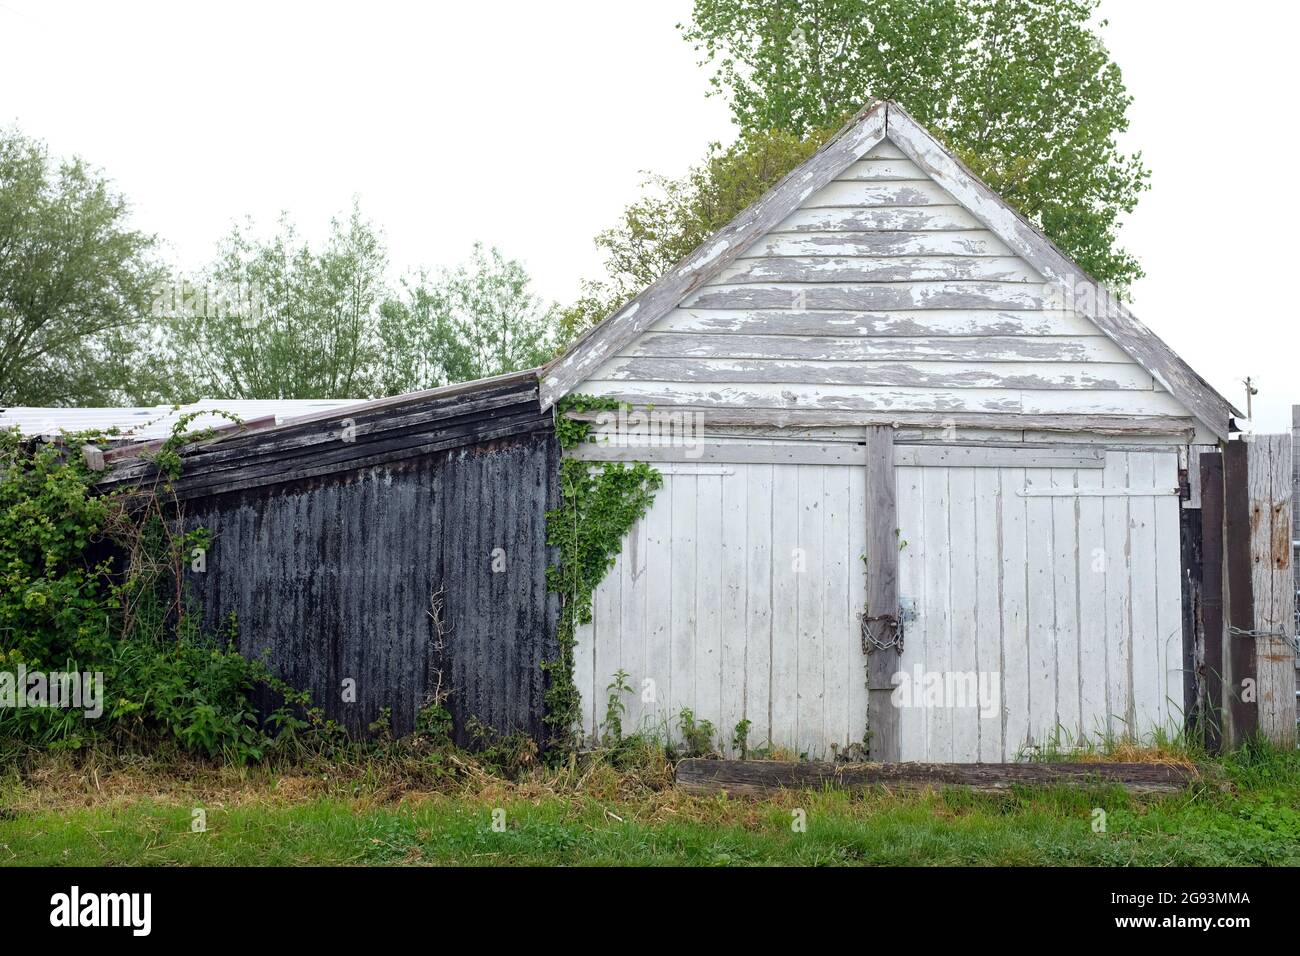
[(276, 318), (76, 284), (1023, 90), (472, 321), (673, 216)]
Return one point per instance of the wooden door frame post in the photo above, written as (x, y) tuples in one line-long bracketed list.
[(880, 625)]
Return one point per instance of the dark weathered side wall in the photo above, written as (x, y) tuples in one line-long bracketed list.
[(333, 578)]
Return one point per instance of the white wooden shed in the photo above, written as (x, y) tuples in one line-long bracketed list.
[(1028, 480)]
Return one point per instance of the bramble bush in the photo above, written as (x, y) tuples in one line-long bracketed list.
[(92, 583)]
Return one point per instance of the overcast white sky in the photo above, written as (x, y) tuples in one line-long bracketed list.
[(527, 125)]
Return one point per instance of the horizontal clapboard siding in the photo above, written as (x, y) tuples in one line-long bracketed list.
[(907, 322), (881, 292), (1013, 375), (885, 150), (973, 242), (916, 193), (987, 348), (861, 218), (878, 269), (792, 296), (875, 170), (793, 396)]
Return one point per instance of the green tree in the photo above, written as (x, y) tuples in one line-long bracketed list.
[(1023, 90), (279, 319), (76, 284), (472, 321), (673, 216)]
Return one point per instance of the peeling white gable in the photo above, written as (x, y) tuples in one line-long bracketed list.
[(888, 280)]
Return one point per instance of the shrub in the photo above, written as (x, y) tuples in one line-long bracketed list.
[(92, 583)]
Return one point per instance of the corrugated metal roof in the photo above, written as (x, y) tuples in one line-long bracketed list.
[(157, 421)]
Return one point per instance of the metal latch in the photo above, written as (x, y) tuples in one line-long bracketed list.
[(907, 613)]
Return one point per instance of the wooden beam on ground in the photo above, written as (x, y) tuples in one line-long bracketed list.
[(880, 625), (758, 778)]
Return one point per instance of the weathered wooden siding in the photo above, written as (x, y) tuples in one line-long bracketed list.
[(1295, 501), (1272, 586), (335, 579), (881, 292), (332, 538), (740, 594)]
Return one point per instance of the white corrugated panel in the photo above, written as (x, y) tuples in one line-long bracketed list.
[(157, 421)]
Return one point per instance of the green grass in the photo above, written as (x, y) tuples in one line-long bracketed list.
[(255, 820)]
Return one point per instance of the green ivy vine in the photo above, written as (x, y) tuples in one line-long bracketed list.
[(93, 581), (600, 502), (167, 457)]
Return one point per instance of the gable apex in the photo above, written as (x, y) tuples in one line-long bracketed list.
[(885, 132), (1079, 290), (864, 131)]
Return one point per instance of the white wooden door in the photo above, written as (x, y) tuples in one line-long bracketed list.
[(739, 596), (1063, 585)]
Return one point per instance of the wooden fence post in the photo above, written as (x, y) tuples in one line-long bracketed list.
[(1295, 511), (1295, 481), (1272, 585), (1211, 622), (880, 624), (1240, 710)]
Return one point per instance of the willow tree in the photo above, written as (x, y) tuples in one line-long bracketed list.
[(279, 317)]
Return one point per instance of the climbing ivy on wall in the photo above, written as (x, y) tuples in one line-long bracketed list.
[(600, 502)]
